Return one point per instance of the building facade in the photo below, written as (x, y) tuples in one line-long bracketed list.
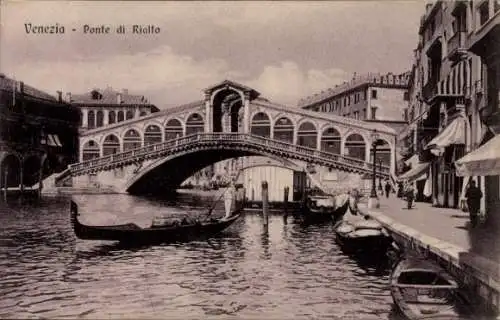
[(102, 107), (446, 99), (38, 135)]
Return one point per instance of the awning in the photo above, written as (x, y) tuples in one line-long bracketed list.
[(454, 133), (418, 172), (484, 161), (53, 140)]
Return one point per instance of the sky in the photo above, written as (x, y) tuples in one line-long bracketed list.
[(284, 50)]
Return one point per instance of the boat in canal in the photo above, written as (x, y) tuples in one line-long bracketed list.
[(422, 290), (157, 233), (365, 235), (326, 208)]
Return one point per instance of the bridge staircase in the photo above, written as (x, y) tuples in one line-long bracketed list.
[(235, 141)]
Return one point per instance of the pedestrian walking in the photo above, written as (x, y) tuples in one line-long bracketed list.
[(410, 195), (388, 188), (473, 196)]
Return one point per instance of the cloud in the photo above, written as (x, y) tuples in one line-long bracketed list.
[(287, 83)]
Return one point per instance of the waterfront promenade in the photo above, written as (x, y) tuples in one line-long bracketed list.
[(446, 234)]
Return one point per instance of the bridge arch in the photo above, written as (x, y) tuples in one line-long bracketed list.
[(90, 150), (121, 116), (284, 129), (111, 144), (355, 146), (91, 119), (331, 140), (132, 139), (10, 165), (129, 115), (261, 124), (227, 105), (195, 123), (153, 133), (307, 134), (173, 128), (111, 117), (384, 152), (99, 119)]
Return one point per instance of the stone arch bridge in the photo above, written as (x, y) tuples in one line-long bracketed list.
[(163, 149)]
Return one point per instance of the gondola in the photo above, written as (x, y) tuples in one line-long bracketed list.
[(422, 290), (364, 235), (320, 209), (132, 233)]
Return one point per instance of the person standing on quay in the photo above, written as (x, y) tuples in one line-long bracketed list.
[(387, 188), (473, 196)]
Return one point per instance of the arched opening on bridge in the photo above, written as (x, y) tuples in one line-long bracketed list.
[(10, 170), (111, 145), (81, 118), (131, 140), (142, 113), (383, 153), (129, 115), (152, 134), (91, 119), (173, 129), (99, 119), (307, 135), (194, 124), (111, 117), (283, 130), (31, 171), (90, 150), (261, 125), (121, 116), (331, 141), (226, 112), (355, 147)]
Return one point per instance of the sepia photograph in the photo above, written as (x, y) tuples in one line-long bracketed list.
[(222, 160)]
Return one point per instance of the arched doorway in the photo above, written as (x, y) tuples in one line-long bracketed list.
[(121, 116), (10, 170), (355, 147), (261, 125), (111, 145), (331, 141), (383, 153), (283, 130), (227, 111), (90, 150), (31, 170), (194, 124), (131, 140), (152, 134), (173, 129), (307, 135), (111, 117), (130, 115)]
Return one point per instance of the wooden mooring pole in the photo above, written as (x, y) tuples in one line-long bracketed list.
[(265, 203), (5, 185), (285, 204)]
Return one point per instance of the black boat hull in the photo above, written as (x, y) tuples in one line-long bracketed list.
[(371, 244), (131, 233), (322, 215)]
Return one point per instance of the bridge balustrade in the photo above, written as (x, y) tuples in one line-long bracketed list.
[(275, 145)]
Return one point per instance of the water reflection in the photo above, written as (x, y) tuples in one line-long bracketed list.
[(290, 271)]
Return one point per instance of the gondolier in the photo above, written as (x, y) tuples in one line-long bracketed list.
[(229, 195)]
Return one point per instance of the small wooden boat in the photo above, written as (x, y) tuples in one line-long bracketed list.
[(365, 235), (324, 208), (132, 233), (423, 290)]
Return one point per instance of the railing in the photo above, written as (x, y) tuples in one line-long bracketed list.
[(269, 145)]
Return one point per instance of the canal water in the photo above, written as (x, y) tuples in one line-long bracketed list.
[(292, 272)]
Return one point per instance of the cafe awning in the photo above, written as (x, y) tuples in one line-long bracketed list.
[(454, 133), (418, 172), (484, 161)]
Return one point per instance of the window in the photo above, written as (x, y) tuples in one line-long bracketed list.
[(405, 116), (364, 95), (374, 113), (406, 96), (374, 94), (483, 13)]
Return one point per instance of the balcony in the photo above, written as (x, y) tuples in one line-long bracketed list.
[(484, 40), (457, 49)]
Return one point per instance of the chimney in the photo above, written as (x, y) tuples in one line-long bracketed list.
[(59, 96), (21, 87), (68, 97), (119, 98)]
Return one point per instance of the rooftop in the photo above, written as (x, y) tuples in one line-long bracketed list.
[(389, 79), (8, 84), (109, 96)]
